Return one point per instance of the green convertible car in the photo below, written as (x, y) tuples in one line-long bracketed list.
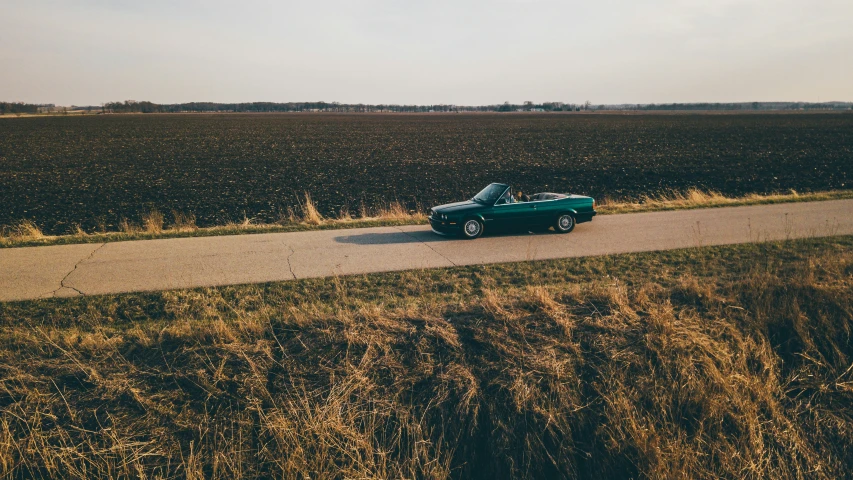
[(495, 208)]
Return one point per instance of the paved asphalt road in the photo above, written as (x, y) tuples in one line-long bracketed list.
[(91, 269)]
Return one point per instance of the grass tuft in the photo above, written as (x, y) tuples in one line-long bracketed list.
[(22, 232), (310, 214), (128, 228), (396, 211), (183, 222), (27, 230), (79, 232), (152, 222)]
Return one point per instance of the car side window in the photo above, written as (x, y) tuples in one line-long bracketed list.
[(505, 199)]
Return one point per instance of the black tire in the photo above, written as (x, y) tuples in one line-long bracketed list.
[(472, 228), (564, 223)]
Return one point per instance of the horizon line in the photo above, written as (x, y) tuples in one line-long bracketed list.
[(334, 102)]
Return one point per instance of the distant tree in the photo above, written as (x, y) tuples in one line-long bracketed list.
[(17, 108)]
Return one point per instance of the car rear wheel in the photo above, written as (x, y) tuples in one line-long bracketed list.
[(472, 228), (565, 223)]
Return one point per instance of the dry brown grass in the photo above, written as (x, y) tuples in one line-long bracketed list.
[(128, 228), (396, 211), (23, 231), (152, 222), (245, 224), (696, 198), (393, 211), (183, 222), (310, 214), (736, 366), (27, 232), (79, 232)]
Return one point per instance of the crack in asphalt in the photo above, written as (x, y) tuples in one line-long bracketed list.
[(426, 245), (289, 266), (62, 282)]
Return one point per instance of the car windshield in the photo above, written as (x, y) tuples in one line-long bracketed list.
[(490, 194)]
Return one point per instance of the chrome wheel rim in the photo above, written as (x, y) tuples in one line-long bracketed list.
[(565, 222), (472, 228)]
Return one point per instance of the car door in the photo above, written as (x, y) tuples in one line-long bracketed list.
[(539, 213), (512, 215)]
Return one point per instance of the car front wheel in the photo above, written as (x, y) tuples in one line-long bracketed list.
[(472, 228), (565, 223)]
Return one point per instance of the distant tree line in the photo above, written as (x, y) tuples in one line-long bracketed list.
[(132, 106), (744, 106), (18, 107)]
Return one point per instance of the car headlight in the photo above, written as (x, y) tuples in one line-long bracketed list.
[(444, 216)]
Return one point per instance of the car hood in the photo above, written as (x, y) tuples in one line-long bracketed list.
[(457, 206)]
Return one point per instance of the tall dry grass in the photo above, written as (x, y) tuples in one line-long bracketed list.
[(392, 211), (183, 222), (745, 373), (310, 214), (698, 198), (23, 230), (152, 222), (26, 232), (125, 226)]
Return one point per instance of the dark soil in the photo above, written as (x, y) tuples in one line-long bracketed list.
[(94, 171)]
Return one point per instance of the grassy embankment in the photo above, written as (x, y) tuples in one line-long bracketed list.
[(153, 225), (710, 362)]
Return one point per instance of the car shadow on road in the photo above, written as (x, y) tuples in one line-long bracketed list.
[(387, 238)]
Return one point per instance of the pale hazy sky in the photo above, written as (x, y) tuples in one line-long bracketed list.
[(460, 52)]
